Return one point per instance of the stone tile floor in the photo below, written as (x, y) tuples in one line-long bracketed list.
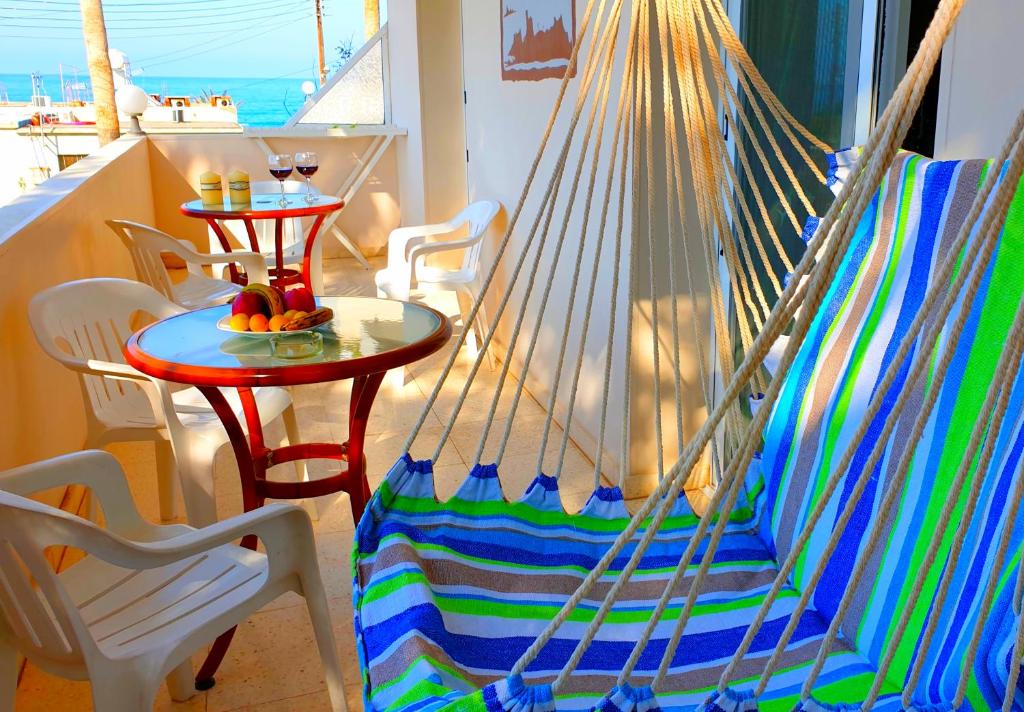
[(273, 663)]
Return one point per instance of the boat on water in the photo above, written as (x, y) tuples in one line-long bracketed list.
[(45, 135)]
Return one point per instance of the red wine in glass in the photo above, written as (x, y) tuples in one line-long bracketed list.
[(280, 165), (306, 164)]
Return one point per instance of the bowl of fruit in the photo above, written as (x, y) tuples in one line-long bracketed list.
[(261, 310)]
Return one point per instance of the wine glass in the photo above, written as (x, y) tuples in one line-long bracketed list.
[(281, 168), (306, 164)]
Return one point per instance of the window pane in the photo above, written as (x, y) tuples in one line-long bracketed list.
[(801, 49)]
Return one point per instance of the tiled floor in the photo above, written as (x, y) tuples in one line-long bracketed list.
[(273, 663)]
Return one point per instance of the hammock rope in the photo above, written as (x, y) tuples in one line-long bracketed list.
[(503, 246), (605, 94), (943, 21), (855, 195), (704, 69), (608, 52), (551, 201)]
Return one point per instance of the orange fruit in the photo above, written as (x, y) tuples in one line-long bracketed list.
[(258, 323), (277, 322), (298, 315), (290, 314), (240, 322)]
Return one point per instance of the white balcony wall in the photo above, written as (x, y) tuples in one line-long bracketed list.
[(982, 85), (504, 125), (53, 234), (425, 83)]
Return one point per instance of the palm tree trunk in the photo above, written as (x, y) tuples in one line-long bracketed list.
[(371, 17), (94, 31)]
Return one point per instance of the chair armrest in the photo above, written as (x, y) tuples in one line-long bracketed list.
[(254, 264), (95, 469), (430, 248), (107, 369), (284, 529), (156, 390), (404, 233)]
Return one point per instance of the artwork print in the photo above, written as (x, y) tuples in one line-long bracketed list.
[(537, 38)]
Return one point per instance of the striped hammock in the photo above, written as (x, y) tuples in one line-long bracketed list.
[(448, 596)]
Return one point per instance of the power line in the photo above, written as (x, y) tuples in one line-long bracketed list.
[(127, 6), (118, 11), (115, 35), (189, 50), (120, 33), (73, 15), (157, 28)]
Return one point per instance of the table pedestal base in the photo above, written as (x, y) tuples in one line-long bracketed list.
[(254, 458)]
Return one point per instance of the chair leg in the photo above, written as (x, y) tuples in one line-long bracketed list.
[(476, 331), (481, 326), (465, 307), (195, 472), (8, 673), (166, 480), (291, 429), (181, 683), (319, 615), (122, 693)]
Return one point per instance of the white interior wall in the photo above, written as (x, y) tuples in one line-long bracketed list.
[(982, 82), (505, 122)]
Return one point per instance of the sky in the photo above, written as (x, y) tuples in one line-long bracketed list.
[(195, 38)]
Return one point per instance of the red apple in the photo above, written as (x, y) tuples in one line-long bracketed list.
[(299, 299), (249, 304)]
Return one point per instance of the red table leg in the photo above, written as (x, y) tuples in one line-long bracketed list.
[(279, 248), (364, 391), (307, 256), (250, 500), (254, 458)]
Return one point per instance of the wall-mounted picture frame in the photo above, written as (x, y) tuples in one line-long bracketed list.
[(537, 37)]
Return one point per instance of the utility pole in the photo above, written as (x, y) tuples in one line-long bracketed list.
[(371, 17), (320, 40), (94, 32)]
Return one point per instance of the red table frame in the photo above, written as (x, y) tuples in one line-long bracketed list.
[(280, 276), (254, 458)]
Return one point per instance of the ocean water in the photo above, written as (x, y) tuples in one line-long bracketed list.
[(260, 102)]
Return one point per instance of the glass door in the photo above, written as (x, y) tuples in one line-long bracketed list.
[(818, 57)]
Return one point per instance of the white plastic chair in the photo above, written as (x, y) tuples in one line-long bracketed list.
[(84, 325), (406, 272), (145, 597), (147, 245), (293, 235)]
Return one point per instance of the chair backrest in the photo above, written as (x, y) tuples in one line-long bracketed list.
[(92, 319), (146, 245), (293, 231), (478, 216), (878, 290)]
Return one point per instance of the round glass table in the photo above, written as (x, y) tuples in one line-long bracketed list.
[(366, 338), (267, 207)]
